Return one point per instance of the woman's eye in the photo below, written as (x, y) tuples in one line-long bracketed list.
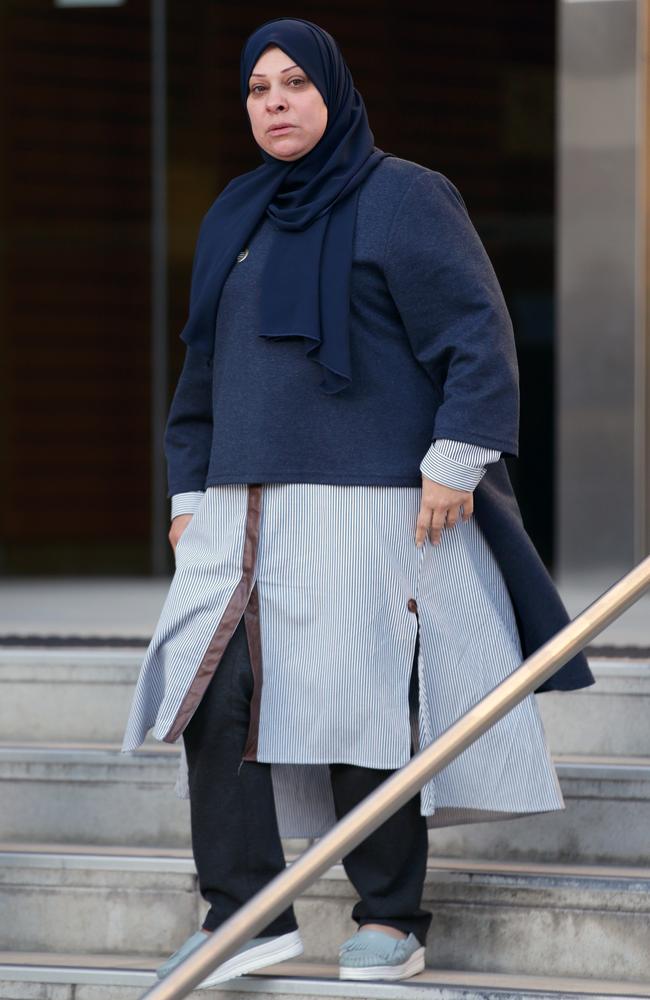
[(260, 86)]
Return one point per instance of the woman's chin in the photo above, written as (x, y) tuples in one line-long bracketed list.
[(286, 149)]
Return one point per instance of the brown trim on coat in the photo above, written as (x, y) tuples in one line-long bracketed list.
[(229, 619), (253, 634), (414, 713)]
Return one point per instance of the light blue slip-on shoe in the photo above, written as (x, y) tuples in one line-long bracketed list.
[(254, 954), (376, 955), (192, 943)]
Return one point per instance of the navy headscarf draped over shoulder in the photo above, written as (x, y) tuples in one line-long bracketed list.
[(311, 202)]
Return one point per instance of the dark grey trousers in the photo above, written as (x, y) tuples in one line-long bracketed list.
[(235, 839)]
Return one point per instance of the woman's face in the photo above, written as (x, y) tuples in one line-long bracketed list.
[(281, 93)]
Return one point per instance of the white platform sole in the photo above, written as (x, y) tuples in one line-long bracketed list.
[(410, 967), (278, 950)]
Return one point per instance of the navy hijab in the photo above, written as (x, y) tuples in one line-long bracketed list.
[(311, 202)]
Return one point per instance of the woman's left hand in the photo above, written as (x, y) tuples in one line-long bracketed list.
[(439, 508)]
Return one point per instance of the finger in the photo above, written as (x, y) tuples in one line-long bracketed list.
[(452, 515), (468, 507), (437, 524), (422, 524)]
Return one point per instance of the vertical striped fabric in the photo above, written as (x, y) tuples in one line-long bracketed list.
[(336, 568)]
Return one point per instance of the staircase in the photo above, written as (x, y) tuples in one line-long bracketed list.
[(97, 883)]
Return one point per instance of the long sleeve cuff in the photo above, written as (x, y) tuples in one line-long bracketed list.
[(186, 503), (457, 464)]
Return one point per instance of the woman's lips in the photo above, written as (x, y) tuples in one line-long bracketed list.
[(280, 128)]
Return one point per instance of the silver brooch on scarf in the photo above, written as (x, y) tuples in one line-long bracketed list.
[(242, 255)]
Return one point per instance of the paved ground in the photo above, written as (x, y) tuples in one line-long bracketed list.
[(126, 606)]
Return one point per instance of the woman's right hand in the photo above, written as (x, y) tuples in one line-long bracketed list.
[(179, 524)]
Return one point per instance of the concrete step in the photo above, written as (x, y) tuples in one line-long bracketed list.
[(98, 977), (73, 694), (606, 820), (513, 918), (93, 794), (85, 694), (608, 718)]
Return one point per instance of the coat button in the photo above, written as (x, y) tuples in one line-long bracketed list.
[(412, 604)]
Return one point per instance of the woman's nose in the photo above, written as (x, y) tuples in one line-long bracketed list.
[(275, 102)]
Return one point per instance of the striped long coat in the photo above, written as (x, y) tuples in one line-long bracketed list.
[(332, 665)]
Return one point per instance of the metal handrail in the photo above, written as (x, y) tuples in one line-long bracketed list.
[(388, 797)]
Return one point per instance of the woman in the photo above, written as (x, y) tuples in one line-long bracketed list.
[(348, 392)]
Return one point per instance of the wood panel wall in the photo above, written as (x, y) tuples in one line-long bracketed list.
[(75, 304)]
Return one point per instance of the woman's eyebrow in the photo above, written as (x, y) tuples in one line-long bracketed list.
[(286, 70)]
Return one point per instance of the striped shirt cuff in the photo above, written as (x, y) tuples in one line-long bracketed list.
[(457, 464), (186, 503)]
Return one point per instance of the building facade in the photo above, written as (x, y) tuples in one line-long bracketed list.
[(123, 121)]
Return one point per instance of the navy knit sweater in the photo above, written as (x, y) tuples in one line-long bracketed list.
[(433, 356)]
